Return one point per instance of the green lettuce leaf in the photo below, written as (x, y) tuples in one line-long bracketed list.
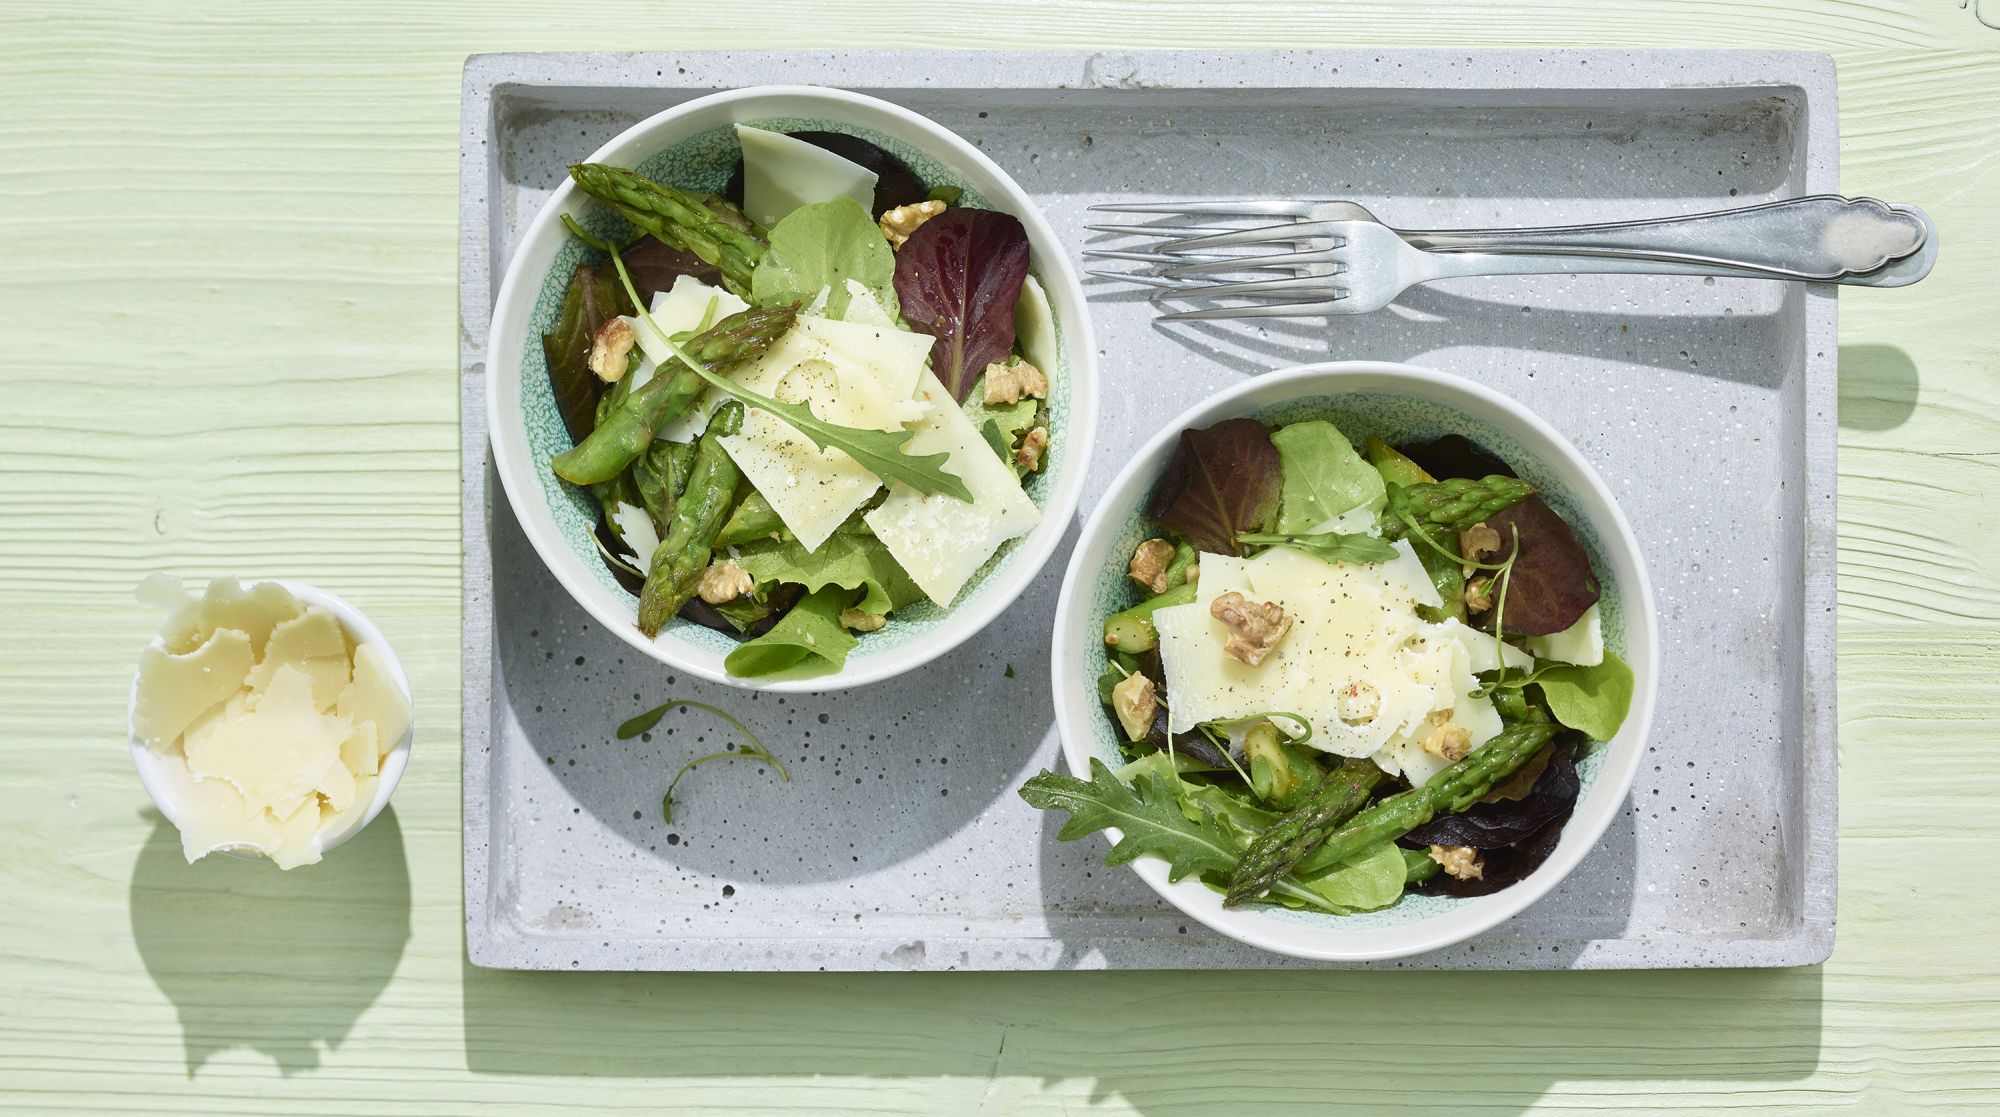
[(1368, 881), (809, 636), (848, 561), (1324, 476), (1147, 813), (1001, 424), (1592, 699), (822, 246)]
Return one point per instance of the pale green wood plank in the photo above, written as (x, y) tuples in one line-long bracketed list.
[(227, 301)]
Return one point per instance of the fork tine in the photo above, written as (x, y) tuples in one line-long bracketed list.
[(1255, 310), (1172, 231), (1140, 278), (1140, 257), (1264, 234), (1260, 288), (1240, 208), (1251, 263)]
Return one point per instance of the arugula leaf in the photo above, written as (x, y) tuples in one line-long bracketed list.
[(820, 247), (753, 750), (1592, 699), (878, 452), (959, 277), (1324, 476), (1203, 828), (1221, 481), (1201, 800), (849, 561), (812, 630), (1149, 815), (1329, 546)]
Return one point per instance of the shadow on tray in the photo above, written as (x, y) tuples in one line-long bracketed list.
[(874, 752), (283, 963)]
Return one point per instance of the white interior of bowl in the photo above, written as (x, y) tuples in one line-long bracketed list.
[(910, 640), (151, 765), (1541, 455)]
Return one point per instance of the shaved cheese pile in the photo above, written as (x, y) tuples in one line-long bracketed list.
[(271, 722), (861, 371), (1358, 663)]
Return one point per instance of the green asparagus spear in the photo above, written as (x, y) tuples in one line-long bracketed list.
[(676, 217), (676, 568), (753, 520), (1132, 631), (660, 474), (1185, 558), (1445, 508), (1446, 575), (1453, 789), (628, 430), (1295, 836)]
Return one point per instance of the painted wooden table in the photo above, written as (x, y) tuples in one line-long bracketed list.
[(227, 260)]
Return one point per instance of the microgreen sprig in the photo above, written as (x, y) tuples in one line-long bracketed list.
[(754, 750)]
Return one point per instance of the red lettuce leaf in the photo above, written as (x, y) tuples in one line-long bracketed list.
[(1552, 583), (958, 278), (654, 267), (1502, 867), (1221, 482), (1494, 825), (593, 298)]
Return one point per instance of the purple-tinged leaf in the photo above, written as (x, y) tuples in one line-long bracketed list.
[(654, 266), (1503, 867), (958, 278), (1552, 584), (1493, 825), (1221, 482)]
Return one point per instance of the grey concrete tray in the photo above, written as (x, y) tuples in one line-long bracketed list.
[(899, 842)]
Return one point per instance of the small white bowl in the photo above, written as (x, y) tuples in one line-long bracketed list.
[(526, 431), (159, 783), (1397, 402)]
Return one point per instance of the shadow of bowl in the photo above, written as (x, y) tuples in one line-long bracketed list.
[(282, 963)]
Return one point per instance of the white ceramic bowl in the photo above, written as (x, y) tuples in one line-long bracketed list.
[(1396, 402), (693, 141), (160, 785)]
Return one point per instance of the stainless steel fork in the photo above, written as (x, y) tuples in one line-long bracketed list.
[(1338, 258)]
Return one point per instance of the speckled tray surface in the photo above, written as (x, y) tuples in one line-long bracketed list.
[(1708, 405)]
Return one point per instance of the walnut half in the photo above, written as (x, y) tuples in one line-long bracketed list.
[(1479, 595), (899, 223), (1149, 564), (857, 621), (1445, 740), (1013, 380), (611, 349), (1132, 700), (725, 581), (1029, 456), (1255, 627), (1461, 862), (1477, 544)]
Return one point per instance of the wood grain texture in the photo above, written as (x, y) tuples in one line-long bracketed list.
[(227, 267)]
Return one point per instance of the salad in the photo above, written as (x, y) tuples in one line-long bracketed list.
[(804, 403), (1346, 673)]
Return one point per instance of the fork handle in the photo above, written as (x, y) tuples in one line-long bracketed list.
[(1821, 237)]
